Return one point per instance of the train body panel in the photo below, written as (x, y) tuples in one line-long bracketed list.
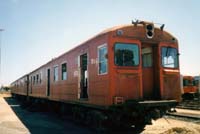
[(48, 81), (148, 80)]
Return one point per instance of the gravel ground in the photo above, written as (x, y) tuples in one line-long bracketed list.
[(173, 125), (15, 120)]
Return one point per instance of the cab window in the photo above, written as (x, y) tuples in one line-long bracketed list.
[(169, 57), (126, 54)]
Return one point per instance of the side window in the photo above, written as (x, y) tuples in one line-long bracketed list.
[(33, 79), (185, 82), (102, 58), (64, 71), (37, 78), (40, 77), (56, 73)]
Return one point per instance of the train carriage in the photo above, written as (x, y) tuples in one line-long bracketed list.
[(132, 66), (189, 87), (20, 86)]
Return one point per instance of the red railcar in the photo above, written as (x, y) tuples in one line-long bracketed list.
[(135, 64)]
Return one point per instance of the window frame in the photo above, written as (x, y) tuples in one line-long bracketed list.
[(98, 48)]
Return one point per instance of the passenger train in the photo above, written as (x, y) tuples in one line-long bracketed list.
[(125, 75)]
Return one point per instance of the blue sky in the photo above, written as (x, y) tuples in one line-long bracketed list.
[(38, 30)]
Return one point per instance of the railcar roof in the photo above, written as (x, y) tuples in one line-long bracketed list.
[(101, 33), (97, 35)]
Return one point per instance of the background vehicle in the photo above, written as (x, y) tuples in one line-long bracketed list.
[(125, 75), (190, 87)]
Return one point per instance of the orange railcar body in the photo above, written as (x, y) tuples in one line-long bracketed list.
[(189, 85), (120, 83)]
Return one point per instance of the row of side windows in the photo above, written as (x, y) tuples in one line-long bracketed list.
[(102, 67), (36, 79), (102, 64)]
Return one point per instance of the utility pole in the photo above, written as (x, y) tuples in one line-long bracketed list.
[(1, 30)]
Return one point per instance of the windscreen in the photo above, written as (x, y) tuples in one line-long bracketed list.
[(126, 54), (169, 57)]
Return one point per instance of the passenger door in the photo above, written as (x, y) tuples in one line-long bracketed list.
[(127, 78), (83, 78), (150, 72)]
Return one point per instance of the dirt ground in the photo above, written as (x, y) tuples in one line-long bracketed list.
[(172, 125), (15, 120), (5, 94)]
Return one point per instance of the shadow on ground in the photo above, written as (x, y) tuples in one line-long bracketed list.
[(45, 122), (52, 123)]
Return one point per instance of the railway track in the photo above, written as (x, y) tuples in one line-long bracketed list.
[(190, 104), (188, 109), (183, 115), (193, 115)]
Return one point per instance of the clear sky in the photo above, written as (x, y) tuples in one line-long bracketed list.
[(38, 30)]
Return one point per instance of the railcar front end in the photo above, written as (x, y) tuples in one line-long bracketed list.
[(145, 71)]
